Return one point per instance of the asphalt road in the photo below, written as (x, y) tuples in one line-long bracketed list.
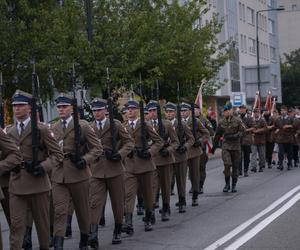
[(263, 214)]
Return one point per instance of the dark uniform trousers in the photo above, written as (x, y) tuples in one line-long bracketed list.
[(285, 148), (19, 205), (164, 182), (269, 152), (194, 169), (245, 158), (62, 192), (231, 159), (144, 181), (5, 204), (203, 161), (180, 169), (98, 196)]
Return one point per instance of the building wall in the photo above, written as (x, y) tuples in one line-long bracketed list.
[(288, 26)]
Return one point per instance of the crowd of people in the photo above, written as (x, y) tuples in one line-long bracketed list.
[(138, 158)]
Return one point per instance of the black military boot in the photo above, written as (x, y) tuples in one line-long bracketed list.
[(140, 206), (58, 243), (27, 243), (166, 211), (83, 244), (127, 227), (51, 240), (195, 199), (261, 169), (280, 166), (117, 234), (246, 174), (147, 222), (93, 237), (289, 167), (253, 169), (68, 233), (227, 185), (233, 188), (182, 205)]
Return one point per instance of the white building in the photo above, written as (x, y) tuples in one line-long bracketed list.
[(288, 26), (240, 73)]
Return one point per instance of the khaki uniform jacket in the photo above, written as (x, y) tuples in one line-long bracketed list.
[(247, 138), (259, 138), (172, 142), (50, 155), (135, 164), (270, 134), (284, 135), (207, 124), (90, 148), (105, 168), (10, 158), (230, 125), (189, 141), (296, 125), (201, 134)]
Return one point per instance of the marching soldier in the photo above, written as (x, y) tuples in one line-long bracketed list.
[(10, 158), (108, 172), (295, 148), (284, 137), (195, 151), (269, 137), (71, 178), (259, 141), (186, 141), (232, 129), (140, 166), (204, 157), (246, 140), (165, 158), (29, 185)]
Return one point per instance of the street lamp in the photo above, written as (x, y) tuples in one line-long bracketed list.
[(257, 42)]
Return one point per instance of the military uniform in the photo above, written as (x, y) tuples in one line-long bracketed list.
[(204, 157), (258, 145), (30, 186), (232, 129), (164, 160), (71, 178), (246, 142), (269, 139), (10, 158), (284, 137), (195, 152), (139, 169), (108, 173)]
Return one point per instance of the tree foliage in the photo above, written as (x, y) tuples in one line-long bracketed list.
[(290, 74), (157, 40)]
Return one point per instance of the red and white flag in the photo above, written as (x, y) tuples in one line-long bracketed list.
[(268, 105), (199, 100)]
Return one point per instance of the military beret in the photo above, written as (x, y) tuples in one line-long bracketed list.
[(227, 106), (170, 106), (185, 106), (243, 106), (132, 104), (146, 111), (64, 99), (98, 104), (152, 105), (21, 97)]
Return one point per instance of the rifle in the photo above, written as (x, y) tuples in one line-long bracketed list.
[(194, 127), (1, 102), (77, 132), (143, 123), (111, 117), (38, 97), (161, 128), (35, 133), (181, 135)]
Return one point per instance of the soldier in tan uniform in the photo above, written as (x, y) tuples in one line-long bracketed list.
[(164, 159), (259, 141), (140, 166), (108, 172), (232, 129), (195, 151), (30, 186), (186, 141), (10, 158), (71, 179)]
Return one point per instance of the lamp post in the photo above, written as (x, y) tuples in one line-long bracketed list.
[(257, 42)]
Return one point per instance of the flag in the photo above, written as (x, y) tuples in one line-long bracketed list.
[(199, 100), (268, 104)]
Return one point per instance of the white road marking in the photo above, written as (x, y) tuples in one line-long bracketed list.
[(247, 223), (260, 226)]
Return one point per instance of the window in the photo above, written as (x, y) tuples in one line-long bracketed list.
[(242, 11), (243, 46), (271, 3), (271, 26), (294, 6), (250, 16), (251, 43), (274, 80), (273, 54), (235, 86)]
